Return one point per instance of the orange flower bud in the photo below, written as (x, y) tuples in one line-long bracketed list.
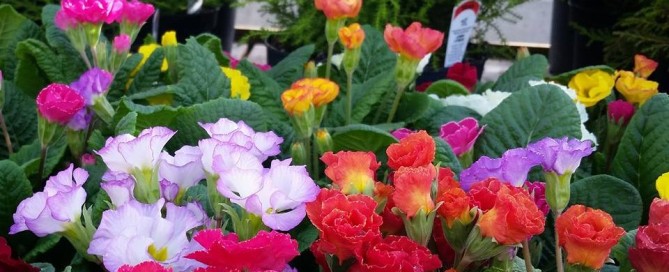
[(455, 206), (587, 235), (323, 90), (644, 66), (413, 187), (352, 36), (413, 43), (513, 219), (297, 101), (417, 149), (351, 172), (337, 9)]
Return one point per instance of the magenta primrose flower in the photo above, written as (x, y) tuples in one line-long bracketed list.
[(261, 144), (92, 11), (121, 44), (137, 232), (58, 103), (64, 21), (134, 12), (620, 112), (461, 135), (401, 133), (511, 168), (562, 155), (56, 208), (537, 190)]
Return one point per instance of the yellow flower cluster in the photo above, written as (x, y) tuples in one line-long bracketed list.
[(307, 92), (591, 86), (239, 84)]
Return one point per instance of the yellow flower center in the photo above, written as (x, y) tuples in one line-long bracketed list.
[(159, 255)]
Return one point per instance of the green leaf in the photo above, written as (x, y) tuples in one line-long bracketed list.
[(446, 87), (97, 140), (200, 76), (127, 124), (445, 156), (43, 245), (15, 28), (69, 58), (100, 204), (527, 116), (291, 68), (198, 193), (20, 117), (412, 107), (122, 76), (36, 52), (616, 197), (642, 154), (365, 96), (619, 251), (564, 78), (147, 116), (516, 84), (28, 157), (44, 267), (213, 43), (149, 74), (532, 66), (375, 57), (359, 137), (14, 187), (305, 233), (264, 90)]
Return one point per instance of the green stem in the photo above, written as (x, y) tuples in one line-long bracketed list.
[(349, 97), (85, 58), (42, 159), (8, 141), (307, 146), (396, 103), (558, 250), (527, 257), (314, 160), (328, 63)]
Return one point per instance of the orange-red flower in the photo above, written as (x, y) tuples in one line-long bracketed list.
[(337, 9), (413, 187), (323, 90), (297, 101), (413, 43), (644, 66), (417, 149), (352, 36), (455, 206), (344, 222), (484, 194), (446, 180), (659, 212), (513, 219), (587, 235), (351, 172)]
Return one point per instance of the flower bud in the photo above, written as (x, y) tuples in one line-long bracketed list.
[(299, 153), (644, 66), (310, 70), (121, 44), (620, 112), (58, 103), (558, 190), (522, 53), (323, 141), (351, 36)]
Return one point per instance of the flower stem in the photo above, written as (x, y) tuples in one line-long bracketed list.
[(307, 146), (463, 264), (314, 160), (527, 257), (85, 58), (349, 97), (8, 141), (396, 103), (328, 63), (42, 159), (558, 250)]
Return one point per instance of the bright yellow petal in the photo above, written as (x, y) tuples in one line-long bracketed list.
[(662, 186)]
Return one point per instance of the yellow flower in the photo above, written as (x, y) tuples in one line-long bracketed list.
[(239, 84), (297, 101), (662, 186), (352, 36), (146, 51), (635, 89), (324, 91), (591, 86), (169, 39)]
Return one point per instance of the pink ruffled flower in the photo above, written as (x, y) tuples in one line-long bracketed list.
[(135, 12), (121, 44), (281, 202), (55, 208), (537, 191), (401, 133), (125, 153), (92, 11), (620, 112), (267, 251), (261, 144), (413, 43), (461, 135), (64, 21), (58, 103), (149, 266)]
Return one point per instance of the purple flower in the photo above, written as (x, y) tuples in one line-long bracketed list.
[(537, 190), (401, 133), (56, 208), (92, 83), (119, 187), (261, 144), (282, 200), (561, 156), (80, 120), (511, 168), (184, 170), (461, 135), (125, 153), (137, 232)]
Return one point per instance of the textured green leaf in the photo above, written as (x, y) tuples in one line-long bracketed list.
[(100, 205), (446, 87), (20, 117), (28, 157), (14, 187), (198, 193), (43, 245), (122, 76), (445, 156), (375, 57), (213, 43), (127, 124), (617, 197), (532, 66), (412, 107), (359, 137), (264, 90), (147, 76), (516, 84), (642, 153), (39, 53), (147, 116), (13, 28), (438, 114), (527, 116), (305, 233), (365, 96), (200, 76), (44, 267), (564, 78), (291, 68)]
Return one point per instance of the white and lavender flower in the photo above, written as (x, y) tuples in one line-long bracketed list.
[(119, 187), (239, 172), (511, 168), (260, 144), (281, 203), (57, 208), (179, 172), (126, 153), (561, 156), (137, 232)]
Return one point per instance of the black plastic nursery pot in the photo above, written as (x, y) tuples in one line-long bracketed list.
[(218, 21)]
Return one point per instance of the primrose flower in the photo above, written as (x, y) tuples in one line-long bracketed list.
[(338, 9), (635, 89), (592, 86), (119, 187), (662, 186), (297, 101), (285, 191), (92, 83), (143, 267), (260, 144), (135, 12), (58, 103), (64, 21), (620, 112), (136, 233), (92, 11), (461, 135), (351, 172), (511, 168), (352, 36), (56, 208), (413, 43), (401, 133), (128, 154), (324, 91), (182, 170), (121, 43), (169, 38), (644, 66), (239, 84), (561, 155), (239, 172), (480, 103), (413, 187)]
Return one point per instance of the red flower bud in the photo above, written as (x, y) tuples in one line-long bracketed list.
[(620, 112), (58, 103)]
